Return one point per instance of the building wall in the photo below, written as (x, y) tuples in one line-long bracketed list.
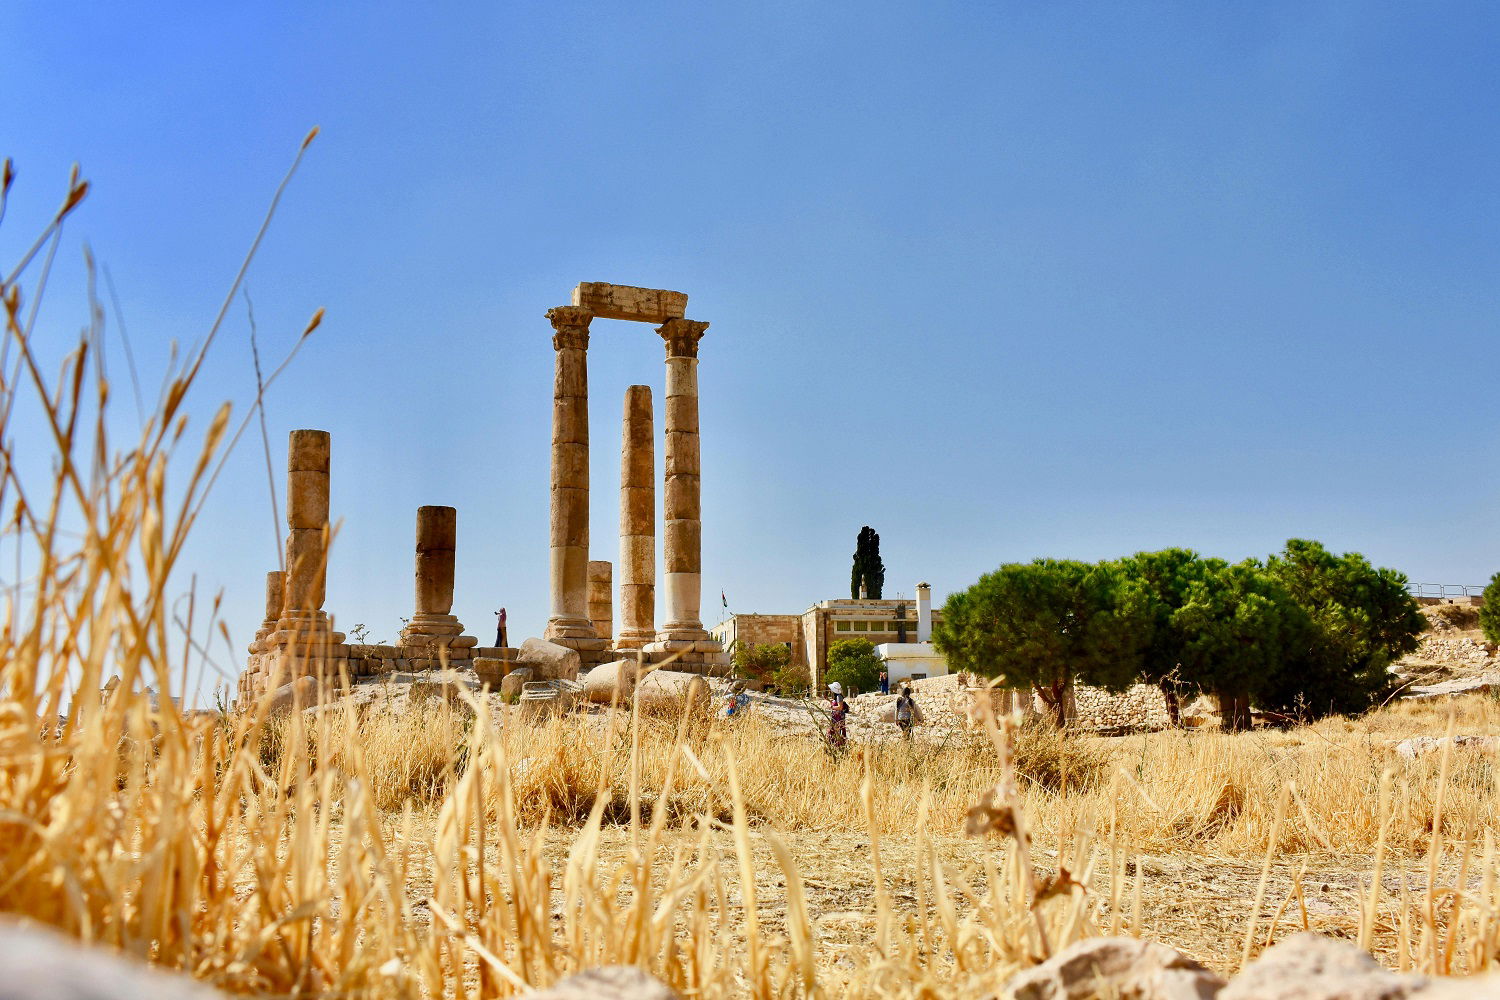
[(755, 630)]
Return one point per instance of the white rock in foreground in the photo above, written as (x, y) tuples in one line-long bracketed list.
[(1126, 968), (44, 965)]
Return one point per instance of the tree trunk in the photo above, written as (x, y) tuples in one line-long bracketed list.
[(1058, 699), (1174, 708), (1234, 710)]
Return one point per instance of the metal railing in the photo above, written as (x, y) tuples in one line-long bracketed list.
[(1445, 590)]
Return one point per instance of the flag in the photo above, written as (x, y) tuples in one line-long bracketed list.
[(724, 600)]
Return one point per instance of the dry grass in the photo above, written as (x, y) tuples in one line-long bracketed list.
[(454, 852)]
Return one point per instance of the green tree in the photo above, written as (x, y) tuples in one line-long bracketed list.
[(758, 661), (853, 663), (1046, 625), (1166, 577), (1237, 633), (1363, 619), (1489, 612), (868, 569)]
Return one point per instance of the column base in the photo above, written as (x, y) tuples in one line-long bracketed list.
[(569, 628), (432, 633), (591, 652), (634, 638), (692, 656)]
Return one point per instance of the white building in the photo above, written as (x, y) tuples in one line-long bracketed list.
[(912, 661)]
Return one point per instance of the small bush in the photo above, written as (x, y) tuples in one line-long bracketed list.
[(1489, 614)]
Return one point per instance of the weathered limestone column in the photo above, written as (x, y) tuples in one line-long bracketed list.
[(637, 522), (275, 602), (568, 624), (432, 625), (601, 608), (683, 536), (303, 619), (681, 508)]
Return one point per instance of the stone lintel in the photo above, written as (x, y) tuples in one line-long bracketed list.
[(644, 305)]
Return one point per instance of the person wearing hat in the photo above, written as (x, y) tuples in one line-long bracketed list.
[(838, 724)]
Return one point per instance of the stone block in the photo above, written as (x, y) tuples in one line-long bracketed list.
[(629, 302), (548, 660), (41, 964), (308, 451), (512, 683)]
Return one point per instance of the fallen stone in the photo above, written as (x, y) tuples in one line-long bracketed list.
[(671, 690), (548, 661), (610, 680), (301, 692), (1462, 685), (512, 683), (44, 965), (1421, 746), (1123, 968), (609, 982), (1312, 967)]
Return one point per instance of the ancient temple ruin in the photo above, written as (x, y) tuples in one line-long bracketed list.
[(296, 638)]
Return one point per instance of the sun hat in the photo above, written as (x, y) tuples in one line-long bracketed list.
[(836, 687)]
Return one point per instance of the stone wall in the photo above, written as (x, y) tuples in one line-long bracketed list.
[(1141, 707)]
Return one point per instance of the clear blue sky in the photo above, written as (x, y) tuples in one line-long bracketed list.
[(1000, 280)]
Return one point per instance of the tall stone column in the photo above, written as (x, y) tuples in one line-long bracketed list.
[(568, 623), (303, 619), (432, 625), (682, 541), (637, 522), (601, 607), (682, 554)]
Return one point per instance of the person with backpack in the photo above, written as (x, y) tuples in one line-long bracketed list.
[(838, 712), (906, 710)]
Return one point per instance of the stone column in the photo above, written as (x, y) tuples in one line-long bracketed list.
[(682, 538), (303, 619), (637, 522), (601, 610), (568, 623), (432, 625), (275, 602)]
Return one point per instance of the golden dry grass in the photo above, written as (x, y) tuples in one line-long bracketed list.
[(452, 852)]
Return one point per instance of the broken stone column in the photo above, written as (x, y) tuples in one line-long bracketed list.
[(637, 522), (432, 626), (275, 601), (303, 621), (568, 623), (601, 610), (683, 631)]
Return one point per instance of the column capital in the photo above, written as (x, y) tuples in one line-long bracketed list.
[(682, 336), (570, 325)]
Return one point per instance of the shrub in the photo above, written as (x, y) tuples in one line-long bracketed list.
[(794, 680), (853, 663), (758, 662)]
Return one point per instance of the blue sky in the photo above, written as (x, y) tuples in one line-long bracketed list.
[(1000, 280)]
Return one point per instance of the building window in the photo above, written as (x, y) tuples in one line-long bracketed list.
[(861, 626), (841, 626)]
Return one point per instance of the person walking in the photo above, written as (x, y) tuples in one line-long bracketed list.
[(906, 710), (885, 683), (838, 721)]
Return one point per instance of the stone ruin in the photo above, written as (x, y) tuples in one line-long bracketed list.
[(297, 639)]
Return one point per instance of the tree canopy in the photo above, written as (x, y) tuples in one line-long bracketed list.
[(853, 663), (1304, 634), (1046, 625)]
